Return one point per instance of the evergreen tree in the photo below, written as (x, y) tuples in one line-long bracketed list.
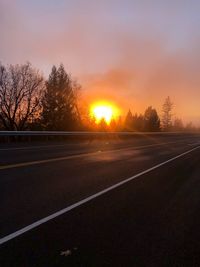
[(59, 103), (178, 125), (119, 124), (113, 125), (102, 126), (138, 122), (128, 123), (151, 120), (189, 127)]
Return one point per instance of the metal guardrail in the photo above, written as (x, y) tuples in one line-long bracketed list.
[(81, 133)]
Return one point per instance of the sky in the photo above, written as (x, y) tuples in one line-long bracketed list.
[(132, 53)]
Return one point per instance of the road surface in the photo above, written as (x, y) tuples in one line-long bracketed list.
[(117, 202)]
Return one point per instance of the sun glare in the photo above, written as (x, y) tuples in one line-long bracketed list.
[(103, 111)]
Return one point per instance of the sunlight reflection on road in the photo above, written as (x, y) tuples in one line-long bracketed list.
[(114, 156)]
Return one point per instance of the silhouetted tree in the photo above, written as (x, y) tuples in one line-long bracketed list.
[(178, 125), (21, 87), (167, 114), (138, 122), (128, 123), (151, 120), (90, 123), (113, 125), (102, 125), (1, 126), (189, 127), (119, 124), (60, 109)]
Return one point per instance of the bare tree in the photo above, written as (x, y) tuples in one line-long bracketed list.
[(167, 114), (20, 92)]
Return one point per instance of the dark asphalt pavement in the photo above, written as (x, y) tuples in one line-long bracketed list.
[(152, 220)]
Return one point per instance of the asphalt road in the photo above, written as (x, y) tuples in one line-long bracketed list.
[(122, 202)]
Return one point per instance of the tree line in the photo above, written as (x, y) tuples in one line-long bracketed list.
[(29, 102)]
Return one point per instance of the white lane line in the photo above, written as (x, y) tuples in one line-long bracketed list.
[(87, 199), (36, 162), (192, 144)]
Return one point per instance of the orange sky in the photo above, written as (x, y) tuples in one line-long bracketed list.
[(134, 53)]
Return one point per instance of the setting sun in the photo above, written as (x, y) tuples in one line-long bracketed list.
[(102, 110)]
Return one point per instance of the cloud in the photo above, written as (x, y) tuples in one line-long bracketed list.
[(146, 76), (132, 52)]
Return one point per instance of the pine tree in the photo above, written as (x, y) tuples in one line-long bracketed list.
[(178, 125), (151, 120), (128, 123), (138, 122), (113, 125), (102, 126), (59, 103)]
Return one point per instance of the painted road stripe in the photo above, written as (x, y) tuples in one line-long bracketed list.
[(192, 144), (36, 162), (87, 199)]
